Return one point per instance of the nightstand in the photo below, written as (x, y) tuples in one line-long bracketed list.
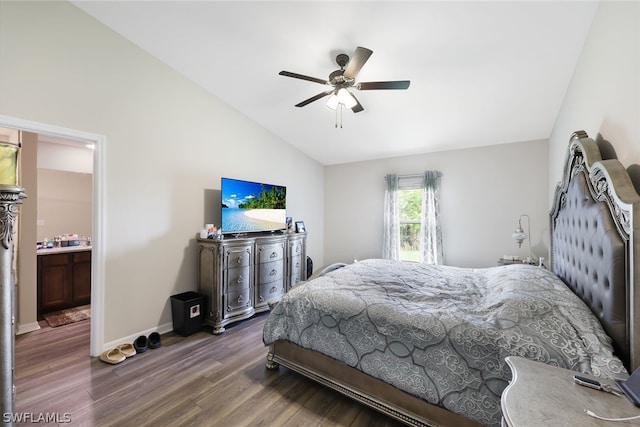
[(544, 395), (503, 261), (528, 261)]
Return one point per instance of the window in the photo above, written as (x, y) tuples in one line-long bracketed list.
[(411, 218), (410, 212)]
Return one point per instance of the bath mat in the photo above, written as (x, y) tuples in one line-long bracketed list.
[(70, 315)]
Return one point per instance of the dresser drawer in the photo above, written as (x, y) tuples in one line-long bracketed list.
[(238, 299), (237, 278), (296, 248), (268, 253), (269, 292), (270, 272), (296, 269), (237, 256)]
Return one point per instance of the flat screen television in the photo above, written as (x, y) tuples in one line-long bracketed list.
[(252, 206)]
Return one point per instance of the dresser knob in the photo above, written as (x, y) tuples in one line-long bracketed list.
[(273, 272), (274, 255), (240, 299), (240, 279), (273, 290)]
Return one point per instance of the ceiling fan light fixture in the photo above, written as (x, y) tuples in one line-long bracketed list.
[(332, 102), (341, 97), (345, 98)]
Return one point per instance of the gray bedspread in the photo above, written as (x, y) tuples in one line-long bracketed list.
[(442, 333)]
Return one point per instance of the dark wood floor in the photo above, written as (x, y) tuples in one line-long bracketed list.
[(201, 380)]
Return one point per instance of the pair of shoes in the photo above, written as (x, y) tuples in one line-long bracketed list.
[(113, 356), (118, 354), (127, 349), (154, 340), (142, 343)]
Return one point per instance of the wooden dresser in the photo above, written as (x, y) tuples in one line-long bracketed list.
[(240, 276)]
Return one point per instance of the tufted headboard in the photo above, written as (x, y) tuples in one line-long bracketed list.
[(595, 242)]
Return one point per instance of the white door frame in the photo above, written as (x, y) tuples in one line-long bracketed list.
[(98, 237)]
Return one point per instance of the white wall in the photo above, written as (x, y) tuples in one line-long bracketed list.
[(483, 192), (604, 95), (167, 144)]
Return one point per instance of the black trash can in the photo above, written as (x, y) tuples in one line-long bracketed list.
[(187, 311), (309, 267)]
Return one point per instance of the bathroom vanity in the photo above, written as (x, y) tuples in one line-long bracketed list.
[(64, 278)]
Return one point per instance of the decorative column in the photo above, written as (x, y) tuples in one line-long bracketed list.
[(11, 197)]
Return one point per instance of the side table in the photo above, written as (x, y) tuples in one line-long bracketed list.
[(544, 395)]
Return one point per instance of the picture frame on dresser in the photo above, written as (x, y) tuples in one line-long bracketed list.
[(300, 228)]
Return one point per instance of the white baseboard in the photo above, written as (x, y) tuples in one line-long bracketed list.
[(162, 329), (29, 327)]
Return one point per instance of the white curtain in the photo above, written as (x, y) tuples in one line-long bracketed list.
[(391, 235), (431, 251)]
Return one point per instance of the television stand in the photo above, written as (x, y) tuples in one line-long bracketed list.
[(240, 276)]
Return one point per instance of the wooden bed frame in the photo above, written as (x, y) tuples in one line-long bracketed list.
[(595, 249)]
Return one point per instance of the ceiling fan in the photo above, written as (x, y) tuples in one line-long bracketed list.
[(340, 81)]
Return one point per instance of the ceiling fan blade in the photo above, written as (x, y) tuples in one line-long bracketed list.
[(399, 84), (358, 107), (360, 56), (303, 77), (313, 98)]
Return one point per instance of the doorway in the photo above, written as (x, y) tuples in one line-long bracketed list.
[(97, 256), (64, 198)]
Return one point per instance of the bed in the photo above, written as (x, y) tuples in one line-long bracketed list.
[(426, 344)]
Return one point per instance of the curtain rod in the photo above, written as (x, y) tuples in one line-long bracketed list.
[(415, 175)]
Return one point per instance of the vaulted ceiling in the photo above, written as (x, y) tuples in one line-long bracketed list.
[(481, 72)]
